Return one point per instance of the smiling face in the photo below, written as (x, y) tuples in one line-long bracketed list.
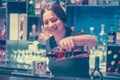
[(51, 23)]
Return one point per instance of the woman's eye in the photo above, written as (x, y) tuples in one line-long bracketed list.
[(53, 20), (46, 22)]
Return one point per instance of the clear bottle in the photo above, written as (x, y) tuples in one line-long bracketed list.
[(96, 73), (111, 35), (92, 31), (82, 30), (102, 35)]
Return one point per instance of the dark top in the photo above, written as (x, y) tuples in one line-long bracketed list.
[(78, 67)]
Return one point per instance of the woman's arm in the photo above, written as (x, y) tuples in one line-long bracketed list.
[(69, 42), (85, 39)]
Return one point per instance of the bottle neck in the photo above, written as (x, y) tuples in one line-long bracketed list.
[(96, 63), (102, 32), (111, 29)]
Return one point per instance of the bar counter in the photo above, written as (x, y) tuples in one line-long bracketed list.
[(7, 73), (23, 77), (16, 70)]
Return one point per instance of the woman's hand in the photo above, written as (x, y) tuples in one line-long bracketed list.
[(67, 43)]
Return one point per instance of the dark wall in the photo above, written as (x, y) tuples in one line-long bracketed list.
[(87, 16)]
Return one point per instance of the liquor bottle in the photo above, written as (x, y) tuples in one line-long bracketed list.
[(92, 31), (118, 34), (102, 35), (21, 30), (82, 30), (111, 35), (60, 54), (96, 74), (56, 53), (31, 10)]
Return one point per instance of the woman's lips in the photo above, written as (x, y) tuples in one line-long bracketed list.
[(52, 29)]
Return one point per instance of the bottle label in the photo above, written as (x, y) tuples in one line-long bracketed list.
[(110, 39), (118, 36)]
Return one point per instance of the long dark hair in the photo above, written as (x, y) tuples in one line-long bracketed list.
[(57, 9)]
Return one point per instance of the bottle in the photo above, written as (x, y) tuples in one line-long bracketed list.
[(56, 53), (96, 74), (21, 30), (82, 30), (111, 35), (102, 35), (118, 34), (31, 7), (60, 54), (92, 30)]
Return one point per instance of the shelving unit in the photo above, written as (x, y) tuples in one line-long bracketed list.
[(2, 34)]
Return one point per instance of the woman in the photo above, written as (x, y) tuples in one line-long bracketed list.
[(54, 22)]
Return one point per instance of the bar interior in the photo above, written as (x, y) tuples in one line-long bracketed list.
[(23, 54)]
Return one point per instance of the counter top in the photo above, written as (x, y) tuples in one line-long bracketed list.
[(7, 72)]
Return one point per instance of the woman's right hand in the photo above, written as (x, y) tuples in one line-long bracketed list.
[(67, 44)]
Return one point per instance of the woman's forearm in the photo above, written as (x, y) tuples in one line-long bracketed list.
[(88, 40)]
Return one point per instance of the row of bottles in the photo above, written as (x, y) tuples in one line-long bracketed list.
[(34, 6), (111, 37), (104, 2)]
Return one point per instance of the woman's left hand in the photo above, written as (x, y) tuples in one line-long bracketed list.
[(67, 43)]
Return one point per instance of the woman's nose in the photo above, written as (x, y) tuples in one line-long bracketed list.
[(50, 24)]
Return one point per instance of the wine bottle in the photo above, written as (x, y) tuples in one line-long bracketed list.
[(96, 74), (111, 35), (58, 53)]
